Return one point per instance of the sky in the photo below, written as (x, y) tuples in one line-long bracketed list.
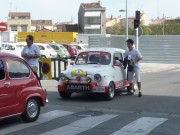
[(65, 10)]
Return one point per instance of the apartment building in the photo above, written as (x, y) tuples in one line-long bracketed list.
[(92, 18), (19, 21)]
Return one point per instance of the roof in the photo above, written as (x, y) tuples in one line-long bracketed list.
[(105, 49), (15, 14), (91, 5), (9, 55), (41, 22)]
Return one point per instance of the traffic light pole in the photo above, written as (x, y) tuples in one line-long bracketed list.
[(137, 38)]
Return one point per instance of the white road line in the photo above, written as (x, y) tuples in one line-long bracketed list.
[(80, 126), (42, 119), (141, 126)]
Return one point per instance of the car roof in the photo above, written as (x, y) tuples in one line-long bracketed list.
[(104, 49), (40, 44), (6, 43), (8, 55)]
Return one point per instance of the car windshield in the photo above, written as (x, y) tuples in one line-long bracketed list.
[(49, 47), (94, 57)]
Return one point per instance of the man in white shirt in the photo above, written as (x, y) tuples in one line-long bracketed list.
[(31, 53), (134, 56)]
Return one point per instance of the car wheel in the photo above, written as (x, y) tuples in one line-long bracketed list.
[(111, 91), (32, 111), (65, 95)]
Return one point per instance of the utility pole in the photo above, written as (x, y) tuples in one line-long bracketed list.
[(163, 24)]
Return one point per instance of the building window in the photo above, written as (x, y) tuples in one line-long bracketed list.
[(24, 28), (14, 28)]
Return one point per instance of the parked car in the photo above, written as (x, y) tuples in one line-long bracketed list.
[(12, 48), (20, 90), (95, 71), (71, 49), (46, 50), (80, 47), (62, 52)]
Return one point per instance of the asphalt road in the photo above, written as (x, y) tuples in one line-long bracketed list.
[(157, 112)]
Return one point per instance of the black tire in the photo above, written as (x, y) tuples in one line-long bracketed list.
[(65, 95), (32, 110), (111, 91)]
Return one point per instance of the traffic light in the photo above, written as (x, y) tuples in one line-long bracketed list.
[(136, 23), (137, 19), (138, 15)]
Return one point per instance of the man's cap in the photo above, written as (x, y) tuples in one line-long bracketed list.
[(130, 41)]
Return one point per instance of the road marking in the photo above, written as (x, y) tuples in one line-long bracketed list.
[(141, 126), (42, 119), (80, 126)]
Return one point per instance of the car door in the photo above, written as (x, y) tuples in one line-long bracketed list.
[(16, 80), (7, 93), (118, 70), (3, 92)]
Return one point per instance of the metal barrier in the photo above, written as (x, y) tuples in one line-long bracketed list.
[(57, 65)]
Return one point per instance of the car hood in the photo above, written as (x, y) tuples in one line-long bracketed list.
[(89, 69)]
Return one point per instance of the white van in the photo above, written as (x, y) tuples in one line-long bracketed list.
[(46, 50), (12, 48)]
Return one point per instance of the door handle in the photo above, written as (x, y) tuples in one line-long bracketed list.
[(7, 83)]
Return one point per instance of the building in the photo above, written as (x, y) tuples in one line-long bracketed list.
[(130, 22), (19, 21), (66, 27), (39, 25), (112, 21), (92, 18)]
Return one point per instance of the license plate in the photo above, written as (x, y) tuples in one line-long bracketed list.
[(80, 87)]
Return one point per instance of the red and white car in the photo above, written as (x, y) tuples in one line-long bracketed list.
[(95, 70), (20, 90)]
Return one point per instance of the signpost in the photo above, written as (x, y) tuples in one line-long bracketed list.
[(3, 27)]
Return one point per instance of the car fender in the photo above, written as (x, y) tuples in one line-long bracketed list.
[(32, 92)]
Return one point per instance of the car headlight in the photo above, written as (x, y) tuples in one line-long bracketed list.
[(62, 76), (88, 79), (97, 77), (66, 79)]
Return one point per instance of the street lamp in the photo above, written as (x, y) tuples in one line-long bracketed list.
[(122, 10)]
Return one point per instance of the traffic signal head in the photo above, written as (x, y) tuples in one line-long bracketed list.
[(138, 15), (136, 23)]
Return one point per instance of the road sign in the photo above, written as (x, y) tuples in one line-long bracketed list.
[(3, 26)]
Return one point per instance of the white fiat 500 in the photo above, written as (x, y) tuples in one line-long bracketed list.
[(95, 70)]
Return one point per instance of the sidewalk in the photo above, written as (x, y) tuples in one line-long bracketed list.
[(157, 67)]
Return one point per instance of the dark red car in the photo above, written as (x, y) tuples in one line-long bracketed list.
[(71, 49), (20, 90)]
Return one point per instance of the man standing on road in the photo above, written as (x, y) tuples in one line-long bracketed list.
[(31, 53), (134, 56)]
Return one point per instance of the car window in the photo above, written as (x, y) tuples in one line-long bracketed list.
[(17, 69), (49, 47), (2, 72), (41, 48), (103, 58), (118, 56)]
